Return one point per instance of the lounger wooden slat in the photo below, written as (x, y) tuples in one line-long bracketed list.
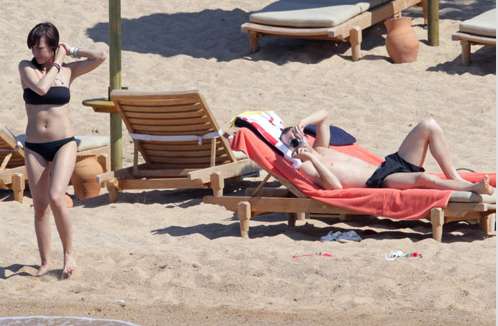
[(177, 114), (193, 107), (203, 121), (348, 31), (166, 115)]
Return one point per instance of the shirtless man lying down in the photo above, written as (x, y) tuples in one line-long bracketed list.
[(331, 169)]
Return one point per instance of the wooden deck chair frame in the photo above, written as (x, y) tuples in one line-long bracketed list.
[(263, 200), (467, 40), (349, 31), (13, 173), (173, 162)]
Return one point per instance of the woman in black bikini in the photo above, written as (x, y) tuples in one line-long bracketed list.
[(50, 144)]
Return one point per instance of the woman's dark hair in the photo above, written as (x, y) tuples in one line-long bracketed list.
[(47, 30)]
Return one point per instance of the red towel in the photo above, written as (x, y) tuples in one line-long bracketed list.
[(393, 203)]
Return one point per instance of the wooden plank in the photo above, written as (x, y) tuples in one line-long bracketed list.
[(227, 170), (161, 173), (285, 31), (177, 146), (163, 183), (276, 204), (165, 115), (180, 160), (194, 107), (476, 39), (178, 154), (149, 103), (170, 122), (199, 129)]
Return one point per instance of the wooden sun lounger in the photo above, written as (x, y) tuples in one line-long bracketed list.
[(290, 200), (13, 175), (349, 31), (476, 34), (179, 140), (467, 40)]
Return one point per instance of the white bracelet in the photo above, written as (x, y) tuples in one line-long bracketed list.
[(74, 52)]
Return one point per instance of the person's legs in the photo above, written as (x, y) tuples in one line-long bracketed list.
[(407, 180), (38, 179), (61, 170), (428, 134)]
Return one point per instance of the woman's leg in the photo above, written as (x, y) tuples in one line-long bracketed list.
[(428, 181), (61, 170), (38, 179), (428, 134)]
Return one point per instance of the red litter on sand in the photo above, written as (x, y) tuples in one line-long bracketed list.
[(321, 253)]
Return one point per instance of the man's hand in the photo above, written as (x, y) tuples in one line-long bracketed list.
[(303, 153)]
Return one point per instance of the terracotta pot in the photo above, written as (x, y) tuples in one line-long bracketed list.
[(401, 42), (84, 177), (69, 202)]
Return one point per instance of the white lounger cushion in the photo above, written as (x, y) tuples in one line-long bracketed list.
[(483, 25), (312, 13), (470, 197)]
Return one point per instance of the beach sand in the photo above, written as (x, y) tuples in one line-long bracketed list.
[(164, 257)]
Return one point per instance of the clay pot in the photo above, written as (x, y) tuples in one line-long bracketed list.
[(69, 201), (401, 42), (84, 177)]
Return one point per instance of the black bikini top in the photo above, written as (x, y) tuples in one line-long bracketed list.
[(56, 95)]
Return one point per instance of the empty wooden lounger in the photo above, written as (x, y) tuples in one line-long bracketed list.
[(291, 200), (334, 20), (13, 175), (179, 140), (480, 30)]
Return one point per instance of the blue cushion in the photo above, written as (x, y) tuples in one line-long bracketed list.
[(338, 136)]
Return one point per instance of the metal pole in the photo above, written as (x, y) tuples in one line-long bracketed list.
[(115, 81), (433, 28)]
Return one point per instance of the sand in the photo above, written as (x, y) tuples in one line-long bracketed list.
[(164, 257)]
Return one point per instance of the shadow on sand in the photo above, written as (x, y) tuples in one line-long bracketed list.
[(215, 34), (388, 229)]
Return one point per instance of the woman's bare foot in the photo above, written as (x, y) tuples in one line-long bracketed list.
[(42, 270), (69, 267), (484, 187)]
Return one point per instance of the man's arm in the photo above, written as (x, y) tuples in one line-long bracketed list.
[(321, 120), (320, 174)]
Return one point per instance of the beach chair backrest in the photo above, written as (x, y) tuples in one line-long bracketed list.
[(173, 130), (10, 155)]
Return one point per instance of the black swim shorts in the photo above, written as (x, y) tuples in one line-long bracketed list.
[(393, 164)]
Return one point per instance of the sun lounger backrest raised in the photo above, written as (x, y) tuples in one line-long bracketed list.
[(10, 155), (173, 130)]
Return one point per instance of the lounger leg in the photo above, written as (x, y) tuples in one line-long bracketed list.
[(217, 184), (294, 217), (355, 39), (485, 221), (113, 190), (465, 52), (18, 184), (425, 12), (244, 212), (253, 41), (437, 220)]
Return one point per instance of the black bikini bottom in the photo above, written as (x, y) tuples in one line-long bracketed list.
[(49, 149), (393, 164)]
